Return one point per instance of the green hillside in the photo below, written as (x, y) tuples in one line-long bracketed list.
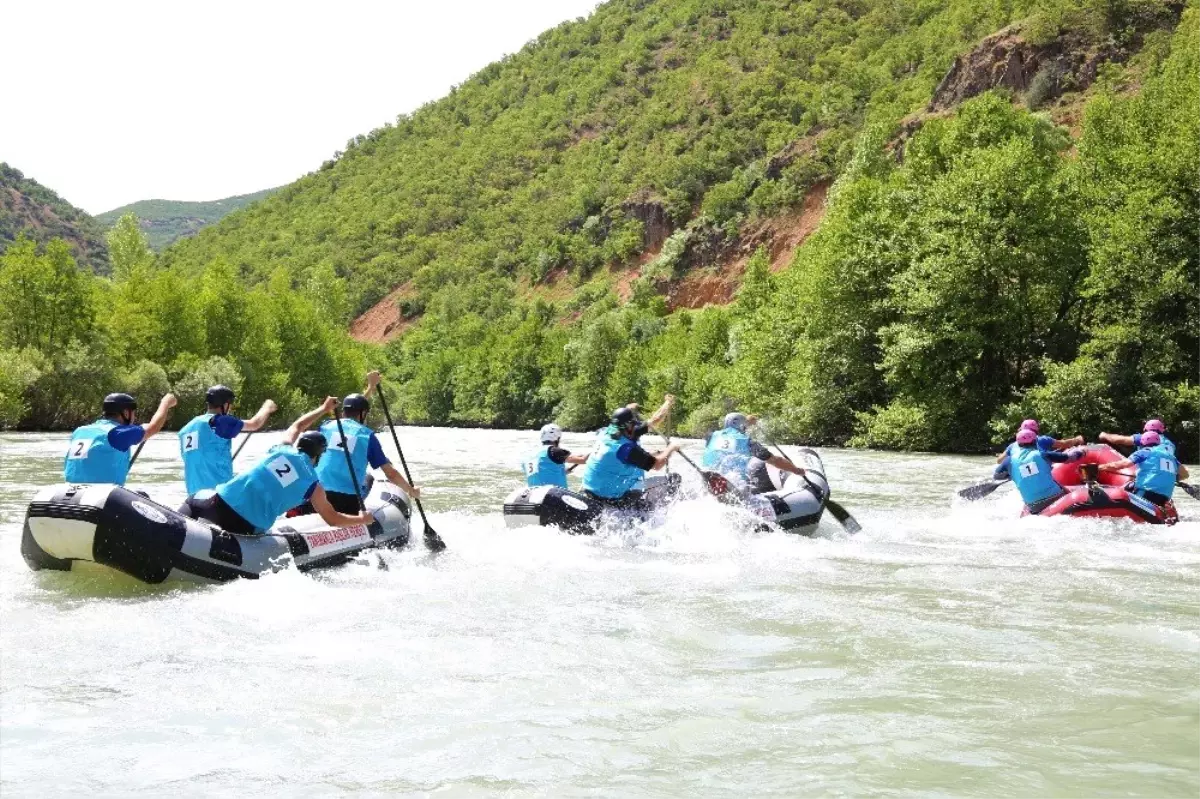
[(1010, 226), (29, 208), (166, 221)]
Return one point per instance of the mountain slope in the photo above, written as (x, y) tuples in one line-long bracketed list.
[(28, 207), (536, 226), (166, 221), (604, 136)]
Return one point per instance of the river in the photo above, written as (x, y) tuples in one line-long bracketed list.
[(949, 649)]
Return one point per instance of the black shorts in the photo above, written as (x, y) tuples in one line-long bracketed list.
[(1039, 506), (630, 500), (214, 509), (342, 503)]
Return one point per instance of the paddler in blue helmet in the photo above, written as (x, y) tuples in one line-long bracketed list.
[(284, 478), (99, 452), (205, 442), (733, 453), (365, 451), (1030, 470), (617, 465), (1157, 468)]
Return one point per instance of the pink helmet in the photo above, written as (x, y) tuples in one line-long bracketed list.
[(1025, 437), (1151, 439), (1031, 424), (1155, 425)]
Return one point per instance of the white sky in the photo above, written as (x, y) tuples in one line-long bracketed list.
[(112, 101)]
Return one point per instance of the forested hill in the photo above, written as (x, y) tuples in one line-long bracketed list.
[(28, 207), (167, 221), (1009, 225)]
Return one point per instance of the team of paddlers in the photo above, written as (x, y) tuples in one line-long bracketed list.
[(325, 471), (1027, 462)]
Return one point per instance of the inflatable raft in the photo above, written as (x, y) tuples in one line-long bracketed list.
[(118, 529), (577, 513), (1092, 493), (796, 506)]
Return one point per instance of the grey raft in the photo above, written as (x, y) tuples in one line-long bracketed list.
[(106, 526), (796, 506)]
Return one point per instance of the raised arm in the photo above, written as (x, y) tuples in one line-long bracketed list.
[(306, 421), (1066, 443), (373, 378), (256, 421), (1117, 440), (656, 419), (160, 416)]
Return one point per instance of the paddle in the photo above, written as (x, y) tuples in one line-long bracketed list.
[(717, 485), (972, 493), (137, 452), (433, 541), (1191, 490), (337, 417), (843, 516), (238, 451)]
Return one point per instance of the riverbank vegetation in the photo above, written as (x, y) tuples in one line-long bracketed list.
[(977, 262), (68, 337)]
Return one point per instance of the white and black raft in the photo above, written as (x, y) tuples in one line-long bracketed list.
[(799, 502), (579, 514), (71, 526), (795, 506)]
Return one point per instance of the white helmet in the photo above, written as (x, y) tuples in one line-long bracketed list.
[(736, 420), (551, 434)]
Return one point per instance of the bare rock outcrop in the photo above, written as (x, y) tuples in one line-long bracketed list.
[(649, 209), (1005, 60)]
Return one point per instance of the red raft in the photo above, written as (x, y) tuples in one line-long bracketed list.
[(1094, 493)]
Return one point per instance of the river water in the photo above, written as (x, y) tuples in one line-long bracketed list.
[(949, 649)]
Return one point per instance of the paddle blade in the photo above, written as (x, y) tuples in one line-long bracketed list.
[(848, 522), (972, 493), (717, 484), (433, 541), (1192, 491)]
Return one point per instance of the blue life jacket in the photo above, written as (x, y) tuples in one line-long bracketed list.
[(277, 484), (1158, 472), (91, 459), (541, 471), (207, 457), (331, 469), (728, 452), (1031, 474), (607, 476)]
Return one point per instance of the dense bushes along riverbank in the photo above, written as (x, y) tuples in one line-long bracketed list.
[(68, 337)]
